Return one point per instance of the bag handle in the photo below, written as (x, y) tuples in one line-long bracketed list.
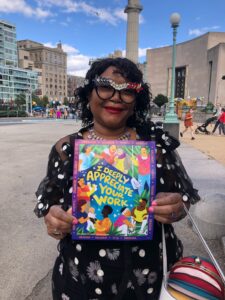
[(203, 243)]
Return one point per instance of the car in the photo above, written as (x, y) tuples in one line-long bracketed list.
[(38, 109)]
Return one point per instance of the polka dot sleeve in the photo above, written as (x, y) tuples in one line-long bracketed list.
[(50, 190), (171, 173)]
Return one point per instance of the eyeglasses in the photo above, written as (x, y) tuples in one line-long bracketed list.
[(106, 89)]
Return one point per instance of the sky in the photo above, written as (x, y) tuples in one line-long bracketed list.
[(95, 28)]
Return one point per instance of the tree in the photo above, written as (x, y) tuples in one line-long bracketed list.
[(20, 100), (45, 101), (160, 100), (66, 101)]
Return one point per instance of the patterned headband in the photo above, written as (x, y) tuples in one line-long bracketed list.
[(103, 81)]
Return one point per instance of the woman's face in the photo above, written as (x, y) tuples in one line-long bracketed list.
[(112, 113)]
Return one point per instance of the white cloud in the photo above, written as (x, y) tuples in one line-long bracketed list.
[(105, 15), (119, 13), (77, 63), (142, 51), (20, 6), (200, 31)]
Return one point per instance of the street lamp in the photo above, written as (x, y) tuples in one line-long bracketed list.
[(171, 116)]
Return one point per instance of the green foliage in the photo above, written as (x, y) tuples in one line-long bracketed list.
[(12, 113), (209, 106), (20, 100), (160, 100), (66, 101)]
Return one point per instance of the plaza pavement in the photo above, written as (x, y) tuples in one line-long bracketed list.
[(27, 254)]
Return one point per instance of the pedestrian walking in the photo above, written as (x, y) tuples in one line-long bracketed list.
[(65, 113), (222, 122), (58, 113), (188, 123), (217, 117)]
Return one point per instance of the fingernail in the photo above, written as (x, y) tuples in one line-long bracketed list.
[(151, 209), (75, 221), (154, 203)]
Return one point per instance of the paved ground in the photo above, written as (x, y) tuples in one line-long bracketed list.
[(212, 145), (27, 253)]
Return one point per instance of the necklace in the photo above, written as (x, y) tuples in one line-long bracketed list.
[(92, 135)]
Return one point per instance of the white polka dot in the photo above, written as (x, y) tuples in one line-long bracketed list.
[(64, 147), (61, 200), (46, 206), (145, 271), (149, 291), (164, 136), (40, 205), (168, 167), (102, 253), (163, 151), (49, 189), (71, 190), (142, 253), (60, 176), (185, 198), (98, 291), (161, 180), (159, 166), (56, 164), (152, 128), (79, 247), (76, 261), (39, 197), (69, 155), (100, 273)]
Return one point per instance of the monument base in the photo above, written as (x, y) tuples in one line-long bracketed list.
[(172, 128)]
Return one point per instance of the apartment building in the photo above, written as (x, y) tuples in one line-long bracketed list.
[(13, 80), (53, 65)]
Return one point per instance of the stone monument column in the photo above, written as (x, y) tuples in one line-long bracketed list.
[(133, 10)]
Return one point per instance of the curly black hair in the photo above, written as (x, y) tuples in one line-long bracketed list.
[(129, 71)]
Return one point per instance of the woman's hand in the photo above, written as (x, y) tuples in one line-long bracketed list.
[(59, 222), (168, 208)]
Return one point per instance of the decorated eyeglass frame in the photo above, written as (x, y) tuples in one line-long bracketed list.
[(103, 81)]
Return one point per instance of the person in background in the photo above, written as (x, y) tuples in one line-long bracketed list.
[(222, 122), (217, 117), (113, 103), (65, 113), (188, 124)]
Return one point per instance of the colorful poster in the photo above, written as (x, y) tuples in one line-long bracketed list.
[(113, 186)]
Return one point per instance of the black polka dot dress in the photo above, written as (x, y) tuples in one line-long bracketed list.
[(108, 270)]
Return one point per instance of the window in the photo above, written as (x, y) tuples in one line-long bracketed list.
[(180, 74)]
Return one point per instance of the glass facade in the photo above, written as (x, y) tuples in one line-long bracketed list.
[(13, 80)]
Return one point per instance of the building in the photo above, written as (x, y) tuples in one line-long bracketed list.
[(73, 82), (199, 71), (13, 80), (53, 65), (26, 63)]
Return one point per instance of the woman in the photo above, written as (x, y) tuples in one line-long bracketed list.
[(188, 123), (222, 122), (114, 104)]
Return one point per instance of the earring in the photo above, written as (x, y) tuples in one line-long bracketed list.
[(88, 106)]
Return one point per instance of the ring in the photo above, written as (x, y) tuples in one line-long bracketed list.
[(56, 232), (173, 215)]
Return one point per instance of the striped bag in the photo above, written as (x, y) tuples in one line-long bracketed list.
[(193, 277)]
